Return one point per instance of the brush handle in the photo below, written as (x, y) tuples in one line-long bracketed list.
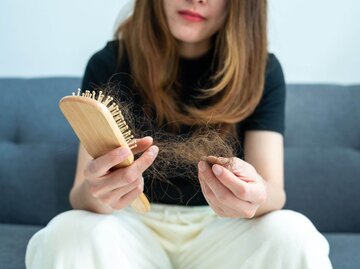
[(98, 132)]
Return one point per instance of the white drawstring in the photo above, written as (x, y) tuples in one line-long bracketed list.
[(180, 217), (165, 215)]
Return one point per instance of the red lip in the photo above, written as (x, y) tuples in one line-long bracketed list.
[(191, 16)]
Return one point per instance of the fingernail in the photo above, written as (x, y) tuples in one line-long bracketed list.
[(153, 151), (216, 169), (202, 166)]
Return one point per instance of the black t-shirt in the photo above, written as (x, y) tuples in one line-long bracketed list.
[(104, 66)]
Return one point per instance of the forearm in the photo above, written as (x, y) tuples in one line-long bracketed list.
[(275, 200), (80, 198)]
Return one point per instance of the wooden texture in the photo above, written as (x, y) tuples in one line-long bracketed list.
[(98, 132)]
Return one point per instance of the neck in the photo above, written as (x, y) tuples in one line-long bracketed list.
[(193, 50)]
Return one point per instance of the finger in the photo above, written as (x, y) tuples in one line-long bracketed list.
[(106, 189), (243, 176), (225, 198), (243, 186), (121, 192), (241, 189), (142, 163), (243, 168), (238, 208), (128, 198), (210, 199), (207, 175), (219, 207), (142, 144), (100, 166), (125, 176)]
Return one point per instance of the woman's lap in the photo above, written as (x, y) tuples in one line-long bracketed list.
[(185, 237)]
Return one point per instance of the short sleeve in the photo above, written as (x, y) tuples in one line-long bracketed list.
[(101, 66), (270, 112)]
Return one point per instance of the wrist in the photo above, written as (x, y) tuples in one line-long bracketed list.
[(275, 199)]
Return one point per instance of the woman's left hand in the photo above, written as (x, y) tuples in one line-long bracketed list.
[(235, 191)]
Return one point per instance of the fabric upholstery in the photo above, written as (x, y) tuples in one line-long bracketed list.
[(38, 150), (344, 250), (13, 242), (322, 157), (38, 158)]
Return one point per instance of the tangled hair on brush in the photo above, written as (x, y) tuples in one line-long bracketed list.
[(178, 154)]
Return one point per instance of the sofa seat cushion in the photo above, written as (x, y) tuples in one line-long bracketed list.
[(13, 241), (344, 250)]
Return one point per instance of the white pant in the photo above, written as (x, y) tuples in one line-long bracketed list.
[(177, 237)]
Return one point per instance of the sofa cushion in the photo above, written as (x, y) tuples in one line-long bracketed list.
[(323, 184), (38, 150), (344, 250), (13, 241), (322, 157), (323, 116)]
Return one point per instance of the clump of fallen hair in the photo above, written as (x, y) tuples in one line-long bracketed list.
[(178, 154), (181, 154)]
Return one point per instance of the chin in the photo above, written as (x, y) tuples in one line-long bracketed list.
[(189, 36), (189, 39)]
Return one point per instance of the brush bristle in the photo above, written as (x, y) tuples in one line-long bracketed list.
[(115, 112)]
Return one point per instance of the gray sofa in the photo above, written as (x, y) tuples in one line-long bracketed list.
[(38, 157)]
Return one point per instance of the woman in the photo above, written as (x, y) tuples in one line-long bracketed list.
[(192, 62)]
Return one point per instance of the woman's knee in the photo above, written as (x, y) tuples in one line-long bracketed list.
[(289, 229), (77, 227), (87, 240)]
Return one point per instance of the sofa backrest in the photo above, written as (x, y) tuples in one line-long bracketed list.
[(322, 159), (37, 149)]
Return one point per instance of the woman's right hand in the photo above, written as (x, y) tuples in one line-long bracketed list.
[(120, 187)]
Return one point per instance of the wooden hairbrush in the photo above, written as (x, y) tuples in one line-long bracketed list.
[(101, 127)]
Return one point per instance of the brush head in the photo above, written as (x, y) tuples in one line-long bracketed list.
[(98, 123)]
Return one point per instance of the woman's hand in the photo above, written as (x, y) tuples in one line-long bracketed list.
[(120, 187), (235, 191)]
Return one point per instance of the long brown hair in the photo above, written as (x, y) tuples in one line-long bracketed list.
[(237, 82)]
